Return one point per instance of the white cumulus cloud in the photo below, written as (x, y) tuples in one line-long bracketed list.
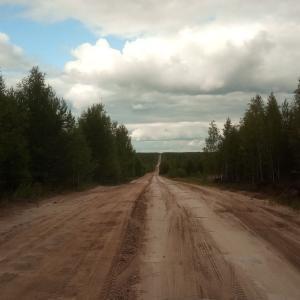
[(168, 131), (132, 18), (213, 60), (11, 56), (183, 64)]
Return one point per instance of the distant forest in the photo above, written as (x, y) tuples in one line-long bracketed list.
[(263, 148), (42, 145)]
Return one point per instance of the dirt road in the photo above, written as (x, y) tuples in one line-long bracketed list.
[(151, 239), (203, 243), (65, 247)]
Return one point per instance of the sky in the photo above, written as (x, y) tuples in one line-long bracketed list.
[(163, 68)]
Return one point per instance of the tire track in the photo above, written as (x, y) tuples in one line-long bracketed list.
[(66, 249), (194, 267), (123, 274)]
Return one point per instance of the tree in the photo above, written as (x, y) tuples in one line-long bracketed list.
[(212, 143), (213, 139), (274, 137), (253, 140), (98, 131), (2, 86), (230, 151), (48, 120), (42, 144), (125, 152), (139, 168), (264, 148), (164, 168), (295, 130), (190, 167), (286, 154), (14, 156), (79, 157)]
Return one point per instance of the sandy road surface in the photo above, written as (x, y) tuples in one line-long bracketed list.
[(203, 243), (151, 239), (64, 248)]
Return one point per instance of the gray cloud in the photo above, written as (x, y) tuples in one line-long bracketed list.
[(132, 18), (163, 80), (169, 146), (215, 60), (183, 63), (11, 56)]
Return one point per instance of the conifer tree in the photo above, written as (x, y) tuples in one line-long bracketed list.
[(274, 137), (14, 156)]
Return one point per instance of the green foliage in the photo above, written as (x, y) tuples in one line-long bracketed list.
[(181, 164), (212, 145), (98, 130), (147, 161), (263, 148), (253, 140), (164, 168), (29, 191), (47, 125), (230, 152), (213, 140), (294, 136), (274, 138), (42, 146), (14, 157), (79, 158), (125, 152)]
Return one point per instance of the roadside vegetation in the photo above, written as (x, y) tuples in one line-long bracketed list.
[(261, 152), (44, 147), (146, 162), (184, 164)]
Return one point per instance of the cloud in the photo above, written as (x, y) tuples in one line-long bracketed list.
[(214, 60), (169, 136), (132, 18), (182, 65), (206, 47), (167, 88), (168, 146), (167, 131), (11, 56)]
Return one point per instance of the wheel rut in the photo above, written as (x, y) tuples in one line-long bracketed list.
[(180, 259)]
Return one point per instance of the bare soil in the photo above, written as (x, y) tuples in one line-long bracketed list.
[(151, 239), (65, 248)]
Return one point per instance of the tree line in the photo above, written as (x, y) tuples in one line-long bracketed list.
[(264, 147), (184, 164), (42, 144), (147, 161)]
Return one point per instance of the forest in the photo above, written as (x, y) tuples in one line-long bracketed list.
[(262, 149), (147, 161), (182, 164), (44, 147)]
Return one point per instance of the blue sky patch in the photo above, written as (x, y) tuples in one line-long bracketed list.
[(47, 43)]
